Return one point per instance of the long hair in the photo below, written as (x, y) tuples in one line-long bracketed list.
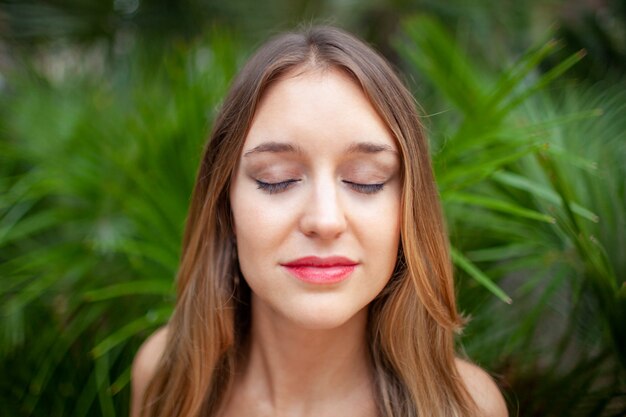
[(411, 323)]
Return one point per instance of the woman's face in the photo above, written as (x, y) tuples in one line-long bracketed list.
[(316, 201)]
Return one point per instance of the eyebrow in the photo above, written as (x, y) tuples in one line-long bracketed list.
[(282, 147), (370, 147), (273, 147)]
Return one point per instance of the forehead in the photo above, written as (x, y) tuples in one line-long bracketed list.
[(317, 109)]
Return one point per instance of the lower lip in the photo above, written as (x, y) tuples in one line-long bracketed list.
[(321, 275)]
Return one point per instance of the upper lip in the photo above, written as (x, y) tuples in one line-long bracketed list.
[(321, 262)]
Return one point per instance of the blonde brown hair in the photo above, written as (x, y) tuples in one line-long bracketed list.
[(411, 323)]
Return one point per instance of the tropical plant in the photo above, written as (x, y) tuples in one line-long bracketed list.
[(533, 185), (97, 171)]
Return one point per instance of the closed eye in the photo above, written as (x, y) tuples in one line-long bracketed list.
[(365, 188), (275, 187)]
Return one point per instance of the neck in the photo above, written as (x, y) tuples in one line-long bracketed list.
[(302, 370)]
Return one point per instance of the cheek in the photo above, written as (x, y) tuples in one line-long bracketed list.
[(261, 231), (381, 218), (259, 227), (381, 236)]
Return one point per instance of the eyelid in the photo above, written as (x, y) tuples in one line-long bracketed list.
[(275, 187), (365, 188)]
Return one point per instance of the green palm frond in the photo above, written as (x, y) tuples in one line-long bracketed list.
[(534, 194), (92, 219)]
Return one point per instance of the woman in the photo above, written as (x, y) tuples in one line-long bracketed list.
[(315, 278)]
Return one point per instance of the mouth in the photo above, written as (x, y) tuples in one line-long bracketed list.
[(316, 270)]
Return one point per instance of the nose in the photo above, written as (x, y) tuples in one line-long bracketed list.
[(323, 216)]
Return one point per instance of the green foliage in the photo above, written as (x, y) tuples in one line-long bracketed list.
[(96, 175), (533, 183), (96, 169)]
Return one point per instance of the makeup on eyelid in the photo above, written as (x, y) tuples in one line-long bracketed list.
[(367, 184), (280, 186), (367, 177)]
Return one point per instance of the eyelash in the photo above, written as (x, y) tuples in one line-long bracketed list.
[(365, 188), (277, 187)]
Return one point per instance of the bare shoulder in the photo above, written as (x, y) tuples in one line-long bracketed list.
[(483, 390), (145, 365)]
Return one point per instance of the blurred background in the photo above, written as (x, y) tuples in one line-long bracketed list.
[(104, 109)]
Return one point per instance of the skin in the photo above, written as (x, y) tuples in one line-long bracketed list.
[(333, 172)]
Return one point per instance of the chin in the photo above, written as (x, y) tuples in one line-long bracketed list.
[(321, 317)]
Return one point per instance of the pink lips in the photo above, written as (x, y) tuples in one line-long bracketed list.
[(315, 270)]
